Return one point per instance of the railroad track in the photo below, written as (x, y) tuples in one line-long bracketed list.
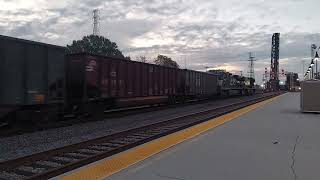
[(7, 129), (58, 161)]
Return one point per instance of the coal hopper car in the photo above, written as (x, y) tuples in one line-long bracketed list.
[(111, 82)]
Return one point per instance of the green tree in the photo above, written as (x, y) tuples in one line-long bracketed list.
[(95, 45), (166, 61)]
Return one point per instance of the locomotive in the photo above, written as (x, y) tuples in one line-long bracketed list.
[(94, 81)]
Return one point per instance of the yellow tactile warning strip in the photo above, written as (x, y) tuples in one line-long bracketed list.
[(123, 160)]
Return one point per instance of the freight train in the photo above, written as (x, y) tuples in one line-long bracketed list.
[(36, 77), (119, 82)]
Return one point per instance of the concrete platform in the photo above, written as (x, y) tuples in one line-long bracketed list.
[(263, 141), (272, 142)]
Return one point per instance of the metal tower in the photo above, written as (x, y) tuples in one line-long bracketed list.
[(96, 19), (265, 76), (274, 70), (251, 65)]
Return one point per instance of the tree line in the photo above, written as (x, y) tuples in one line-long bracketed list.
[(100, 45)]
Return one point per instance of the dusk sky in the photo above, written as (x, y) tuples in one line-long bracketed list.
[(214, 33)]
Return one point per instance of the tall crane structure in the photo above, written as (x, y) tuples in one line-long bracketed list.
[(274, 70), (96, 24)]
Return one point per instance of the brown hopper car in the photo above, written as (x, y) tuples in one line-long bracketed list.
[(121, 83)]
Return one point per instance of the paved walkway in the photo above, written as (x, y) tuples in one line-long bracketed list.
[(272, 142)]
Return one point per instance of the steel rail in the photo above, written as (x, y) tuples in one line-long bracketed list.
[(54, 162)]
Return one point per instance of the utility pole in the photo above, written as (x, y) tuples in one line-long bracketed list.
[(96, 23), (303, 62), (251, 65), (265, 76)]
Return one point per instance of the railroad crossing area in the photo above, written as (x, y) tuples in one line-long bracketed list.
[(268, 140)]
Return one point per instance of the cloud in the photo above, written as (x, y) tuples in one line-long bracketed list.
[(202, 32)]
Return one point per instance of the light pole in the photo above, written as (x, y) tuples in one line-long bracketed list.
[(312, 70), (316, 57)]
